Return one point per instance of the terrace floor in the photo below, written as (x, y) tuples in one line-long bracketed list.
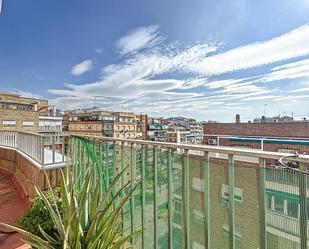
[(12, 205)]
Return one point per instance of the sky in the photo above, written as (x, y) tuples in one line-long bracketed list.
[(204, 59)]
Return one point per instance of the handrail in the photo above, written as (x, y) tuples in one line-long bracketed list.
[(37, 153), (207, 148), (35, 147)]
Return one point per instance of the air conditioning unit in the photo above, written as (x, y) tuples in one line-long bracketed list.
[(212, 141)]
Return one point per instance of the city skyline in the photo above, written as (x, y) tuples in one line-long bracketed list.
[(203, 60)]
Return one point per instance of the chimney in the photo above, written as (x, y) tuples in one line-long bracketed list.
[(237, 118)]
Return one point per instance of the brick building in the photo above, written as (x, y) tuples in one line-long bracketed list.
[(276, 136), (142, 126), (125, 125), (95, 123), (25, 114), (106, 123)]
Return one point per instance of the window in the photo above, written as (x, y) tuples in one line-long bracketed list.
[(292, 209), (279, 205), (196, 245), (198, 217), (8, 122), (238, 238), (268, 201), (198, 184), (178, 205), (238, 193), (28, 123)]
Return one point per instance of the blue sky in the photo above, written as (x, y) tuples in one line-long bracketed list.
[(203, 59)]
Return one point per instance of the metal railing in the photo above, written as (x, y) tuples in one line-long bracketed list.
[(190, 198), (44, 149)]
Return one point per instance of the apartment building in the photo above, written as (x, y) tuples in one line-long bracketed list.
[(50, 124), (184, 130), (21, 113), (125, 125), (157, 132), (275, 119), (95, 123), (269, 136), (106, 123), (171, 135), (142, 126)]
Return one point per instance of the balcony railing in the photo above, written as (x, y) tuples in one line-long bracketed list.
[(190, 198), (44, 149)]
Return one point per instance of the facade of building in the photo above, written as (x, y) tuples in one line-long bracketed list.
[(95, 123), (125, 125), (106, 123), (230, 134), (50, 124), (157, 132), (89, 128), (276, 119), (184, 130), (172, 135), (142, 126), (20, 113)]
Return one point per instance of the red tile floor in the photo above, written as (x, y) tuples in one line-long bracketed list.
[(12, 205)]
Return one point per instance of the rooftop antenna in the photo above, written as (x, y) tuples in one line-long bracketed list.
[(265, 105)]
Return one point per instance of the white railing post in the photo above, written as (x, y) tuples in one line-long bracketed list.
[(303, 206), (42, 150), (53, 149)]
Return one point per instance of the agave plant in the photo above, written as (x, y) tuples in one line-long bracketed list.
[(89, 219)]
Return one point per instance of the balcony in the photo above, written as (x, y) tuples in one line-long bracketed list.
[(189, 196), (43, 149)]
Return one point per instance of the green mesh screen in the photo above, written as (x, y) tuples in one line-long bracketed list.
[(185, 201)]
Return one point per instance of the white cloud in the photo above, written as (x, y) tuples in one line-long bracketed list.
[(26, 94), (222, 83), (140, 38), (143, 80), (291, 97), (299, 69), (261, 97), (82, 67), (284, 47), (242, 88), (299, 90)]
